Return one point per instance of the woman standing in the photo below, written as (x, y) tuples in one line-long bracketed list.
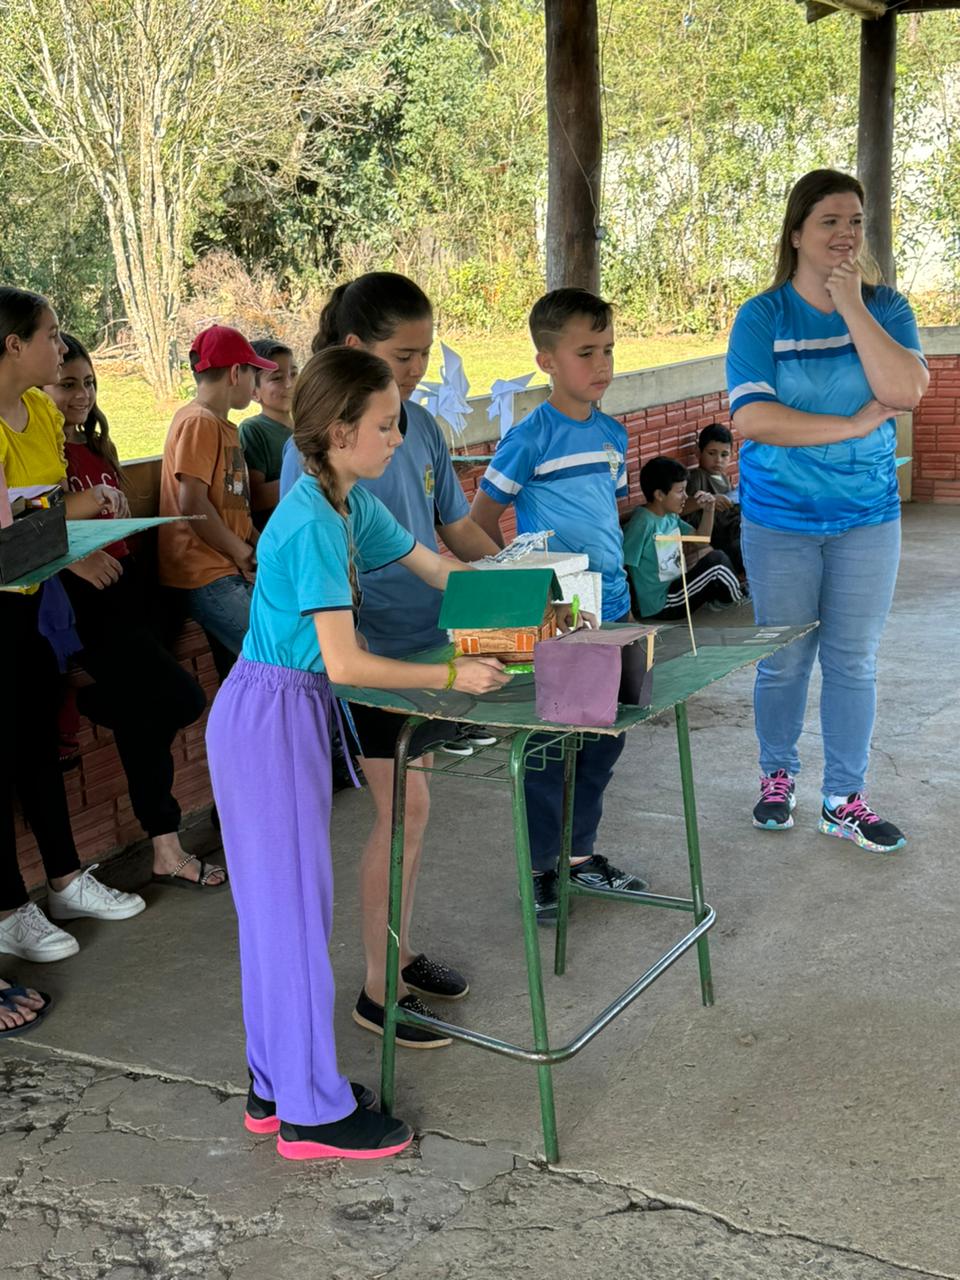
[(817, 368)]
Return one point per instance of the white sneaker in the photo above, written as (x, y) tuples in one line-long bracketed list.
[(29, 934), (85, 896)]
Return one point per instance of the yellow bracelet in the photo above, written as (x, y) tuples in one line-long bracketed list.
[(451, 674)]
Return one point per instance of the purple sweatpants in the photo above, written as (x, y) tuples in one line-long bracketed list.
[(268, 746)]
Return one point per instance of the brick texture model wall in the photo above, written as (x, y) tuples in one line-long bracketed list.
[(103, 821), (936, 435)]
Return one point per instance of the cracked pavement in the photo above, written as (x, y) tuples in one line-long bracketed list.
[(115, 1176), (803, 1127)]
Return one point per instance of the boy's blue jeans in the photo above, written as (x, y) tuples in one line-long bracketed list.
[(845, 582), (544, 795), (223, 609)]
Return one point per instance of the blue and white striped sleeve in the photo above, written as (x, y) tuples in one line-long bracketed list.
[(898, 320), (751, 371), (622, 488), (512, 466)]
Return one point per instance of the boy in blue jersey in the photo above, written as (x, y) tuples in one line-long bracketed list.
[(564, 468)]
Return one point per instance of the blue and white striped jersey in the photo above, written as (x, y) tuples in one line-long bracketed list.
[(783, 349), (566, 475)]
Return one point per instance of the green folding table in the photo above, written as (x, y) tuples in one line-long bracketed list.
[(83, 538), (524, 742)]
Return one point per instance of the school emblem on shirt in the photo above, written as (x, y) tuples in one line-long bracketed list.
[(428, 484), (614, 459)]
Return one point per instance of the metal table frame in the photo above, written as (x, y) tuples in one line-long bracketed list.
[(507, 762)]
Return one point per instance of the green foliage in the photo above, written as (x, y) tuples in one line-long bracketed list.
[(430, 157)]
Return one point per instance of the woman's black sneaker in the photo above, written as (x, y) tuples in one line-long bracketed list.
[(431, 978), (362, 1135), (260, 1114), (367, 1013)]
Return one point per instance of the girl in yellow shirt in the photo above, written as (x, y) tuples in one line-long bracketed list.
[(31, 450)]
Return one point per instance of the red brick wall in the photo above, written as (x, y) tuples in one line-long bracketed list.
[(100, 811), (670, 429), (936, 435)]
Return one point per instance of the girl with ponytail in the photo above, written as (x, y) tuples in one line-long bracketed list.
[(390, 317)]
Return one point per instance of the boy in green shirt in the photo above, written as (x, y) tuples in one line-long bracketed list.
[(653, 568), (262, 437)]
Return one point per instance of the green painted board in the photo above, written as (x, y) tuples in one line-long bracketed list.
[(497, 598), (85, 536), (677, 675)]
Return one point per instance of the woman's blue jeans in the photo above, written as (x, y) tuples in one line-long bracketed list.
[(845, 582)]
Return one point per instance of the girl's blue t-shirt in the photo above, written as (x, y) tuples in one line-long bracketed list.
[(303, 568), (784, 350)]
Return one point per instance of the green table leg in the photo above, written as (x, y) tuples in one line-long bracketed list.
[(394, 915), (531, 945), (566, 842), (693, 848)]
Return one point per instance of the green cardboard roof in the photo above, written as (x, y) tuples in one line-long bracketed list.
[(498, 598)]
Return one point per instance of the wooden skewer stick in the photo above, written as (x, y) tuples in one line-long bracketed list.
[(680, 539)]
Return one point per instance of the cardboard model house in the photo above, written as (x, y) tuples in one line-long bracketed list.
[(581, 678), (500, 613)]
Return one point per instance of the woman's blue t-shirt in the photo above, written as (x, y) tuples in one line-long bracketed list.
[(303, 568), (783, 349)]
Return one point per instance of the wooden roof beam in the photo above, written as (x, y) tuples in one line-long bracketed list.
[(817, 9)]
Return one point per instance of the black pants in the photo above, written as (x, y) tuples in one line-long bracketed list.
[(29, 764), (712, 578), (140, 691)]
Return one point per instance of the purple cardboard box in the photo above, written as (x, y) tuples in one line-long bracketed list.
[(581, 678)]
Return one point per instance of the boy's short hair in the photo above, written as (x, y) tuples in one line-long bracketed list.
[(717, 433), (269, 348), (554, 311), (661, 473)]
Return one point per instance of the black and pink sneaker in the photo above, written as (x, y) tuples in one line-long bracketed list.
[(855, 820), (260, 1114), (363, 1135), (774, 810)]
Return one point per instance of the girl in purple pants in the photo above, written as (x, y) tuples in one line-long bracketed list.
[(268, 743)]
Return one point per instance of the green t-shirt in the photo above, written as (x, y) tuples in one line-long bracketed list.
[(262, 440), (651, 566)]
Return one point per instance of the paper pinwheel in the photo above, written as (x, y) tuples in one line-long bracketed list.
[(501, 400)]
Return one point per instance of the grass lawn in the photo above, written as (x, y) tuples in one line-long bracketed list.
[(139, 424)]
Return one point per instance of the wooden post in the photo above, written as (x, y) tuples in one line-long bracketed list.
[(878, 72), (574, 144)]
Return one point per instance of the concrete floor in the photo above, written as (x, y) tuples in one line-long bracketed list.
[(804, 1126)]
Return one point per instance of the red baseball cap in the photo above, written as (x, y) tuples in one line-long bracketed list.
[(219, 347)]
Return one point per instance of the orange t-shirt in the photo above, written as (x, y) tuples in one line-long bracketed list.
[(201, 445)]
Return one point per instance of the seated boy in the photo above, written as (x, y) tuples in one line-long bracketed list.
[(654, 567), (263, 436), (563, 467), (715, 444), (204, 474)]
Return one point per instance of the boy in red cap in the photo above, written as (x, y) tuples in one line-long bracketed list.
[(204, 474)]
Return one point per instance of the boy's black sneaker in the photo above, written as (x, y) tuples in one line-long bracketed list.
[(367, 1013), (774, 810), (855, 820), (260, 1114), (431, 978), (545, 897), (362, 1135), (478, 736), (598, 873)]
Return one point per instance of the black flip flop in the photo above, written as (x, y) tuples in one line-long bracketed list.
[(8, 1002), (176, 881)]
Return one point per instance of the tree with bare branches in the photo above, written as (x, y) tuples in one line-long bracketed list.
[(148, 101)]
